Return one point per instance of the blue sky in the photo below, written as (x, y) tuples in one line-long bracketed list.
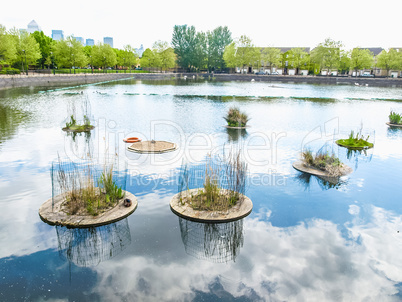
[(291, 23)]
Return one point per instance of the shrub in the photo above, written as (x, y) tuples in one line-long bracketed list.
[(9, 70)]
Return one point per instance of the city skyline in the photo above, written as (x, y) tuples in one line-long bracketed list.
[(296, 24)]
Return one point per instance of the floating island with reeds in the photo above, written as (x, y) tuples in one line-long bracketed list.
[(355, 142), (395, 119), (236, 119), (221, 197), (322, 164), (86, 196), (72, 125)]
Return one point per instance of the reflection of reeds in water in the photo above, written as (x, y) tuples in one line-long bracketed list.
[(90, 246), (359, 155), (80, 143), (215, 242), (325, 183), (235, 134)]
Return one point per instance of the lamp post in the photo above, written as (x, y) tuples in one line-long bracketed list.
[(92, 67), (104, 64), (54, 70), (73, 62), (26, 66)]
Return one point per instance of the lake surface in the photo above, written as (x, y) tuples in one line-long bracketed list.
[(305, 240)]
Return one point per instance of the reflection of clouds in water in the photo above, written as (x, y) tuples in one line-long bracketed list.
[(311, 261), (354, 209), (22, 231)]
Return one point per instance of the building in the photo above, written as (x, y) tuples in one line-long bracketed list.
[(373, 70), (79, 39), (108, 40), (139, 51), (33, 26), (89, 42), (57, 34), (284, 67)]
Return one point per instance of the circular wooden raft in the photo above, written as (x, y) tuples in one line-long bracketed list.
[(56, 216), (152, 147), (230, 127), (354, 148), (87, 129), (394, 125), (238, 211), (300, 166)]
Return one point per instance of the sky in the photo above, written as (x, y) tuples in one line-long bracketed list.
[(291, 23)]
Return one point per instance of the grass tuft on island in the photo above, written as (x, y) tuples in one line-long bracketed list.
[(72, 125), (218, 195), (323, 161), (83, 194), (357, 142), (236, 118), (395, 118)]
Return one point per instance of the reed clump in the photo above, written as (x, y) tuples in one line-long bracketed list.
[(224, 184), (236, 118), (357, 141), (324, 161), (85, 192), (395, 118), (73, 126)]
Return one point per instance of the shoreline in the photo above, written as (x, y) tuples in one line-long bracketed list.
[(14, 81)]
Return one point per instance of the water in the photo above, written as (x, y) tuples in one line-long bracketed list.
[(306, 239)]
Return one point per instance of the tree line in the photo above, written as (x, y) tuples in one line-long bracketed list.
[(20, 50), (190, 50), (328, 56)]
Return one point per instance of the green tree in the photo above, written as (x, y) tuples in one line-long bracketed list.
[(327, 54), (28, 51), (69, 53), (103, 55), (130, 56), (150, 59), (167, 58), (344, 62), (271, 57), (245, 52), (389, 60), (200, 54), (229, 55), (217, 40), (298, 58), (185, 43), (45, 46), (361, 59), (8, 49)]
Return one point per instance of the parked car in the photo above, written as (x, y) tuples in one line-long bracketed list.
[(367, 75), (260, 73), (275, 73)]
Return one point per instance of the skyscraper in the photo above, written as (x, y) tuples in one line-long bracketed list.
[(139, 51), (89, 42), (80, 39), (33, 26), (108, 40), (57, 34)]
